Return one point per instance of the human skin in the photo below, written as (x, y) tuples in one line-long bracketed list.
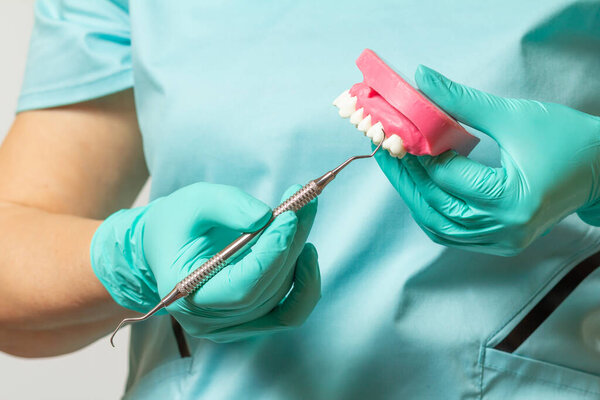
[(62, 171)]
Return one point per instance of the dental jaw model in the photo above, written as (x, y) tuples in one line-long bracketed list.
[(387, 108)]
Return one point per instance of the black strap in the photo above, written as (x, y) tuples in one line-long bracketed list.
[(548, 304), (184, 350)]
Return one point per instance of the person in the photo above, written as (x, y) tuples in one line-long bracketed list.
[(465, 278)]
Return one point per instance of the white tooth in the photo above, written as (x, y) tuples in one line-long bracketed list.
[(347, 107), (345, 94), (365, 124), (386, 144), (356, 116), (370, 132), (376, 133), (379, 136), (396, 147)]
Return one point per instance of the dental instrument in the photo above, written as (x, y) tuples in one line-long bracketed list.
[(196, 279)]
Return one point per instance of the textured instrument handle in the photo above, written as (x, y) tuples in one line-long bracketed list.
[(210, 268)]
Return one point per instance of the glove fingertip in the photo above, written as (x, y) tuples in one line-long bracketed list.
[(590, 216), (309, 253), (442, 91), (429, 80), (257, 212), (290, 191)]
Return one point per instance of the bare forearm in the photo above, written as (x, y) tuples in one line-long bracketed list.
[(62, 170), (46, 278), (52, 342)]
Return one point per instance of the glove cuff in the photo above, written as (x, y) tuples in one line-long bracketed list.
[(118, 260)]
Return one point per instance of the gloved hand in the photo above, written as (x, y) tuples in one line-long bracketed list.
[(141, 254), (550, 158)]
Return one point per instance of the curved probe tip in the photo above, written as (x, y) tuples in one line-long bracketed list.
[(165, 302), (376, 149), (137, 319), (112, 337)]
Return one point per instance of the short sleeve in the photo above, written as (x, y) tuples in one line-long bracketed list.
[(79, 50)]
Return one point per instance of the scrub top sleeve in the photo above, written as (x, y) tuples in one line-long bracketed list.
[(79, 50)]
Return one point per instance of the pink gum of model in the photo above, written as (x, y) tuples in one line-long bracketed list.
[(402, 110)]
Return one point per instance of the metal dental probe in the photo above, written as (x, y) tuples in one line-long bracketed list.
[(210, 268)]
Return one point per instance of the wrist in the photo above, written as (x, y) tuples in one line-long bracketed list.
[(118, 260)]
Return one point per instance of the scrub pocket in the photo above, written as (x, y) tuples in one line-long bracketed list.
[(542, 352)]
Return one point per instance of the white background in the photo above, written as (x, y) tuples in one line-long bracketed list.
[(99, 371)]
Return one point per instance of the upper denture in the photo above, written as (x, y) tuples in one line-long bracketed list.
[(386, 103), (393, 121)]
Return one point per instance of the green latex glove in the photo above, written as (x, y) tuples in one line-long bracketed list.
[(550, 168), (141, 254)]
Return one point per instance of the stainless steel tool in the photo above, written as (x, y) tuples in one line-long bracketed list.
[(210, 268)]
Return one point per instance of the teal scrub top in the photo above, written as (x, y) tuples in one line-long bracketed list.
[(239, 93)]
